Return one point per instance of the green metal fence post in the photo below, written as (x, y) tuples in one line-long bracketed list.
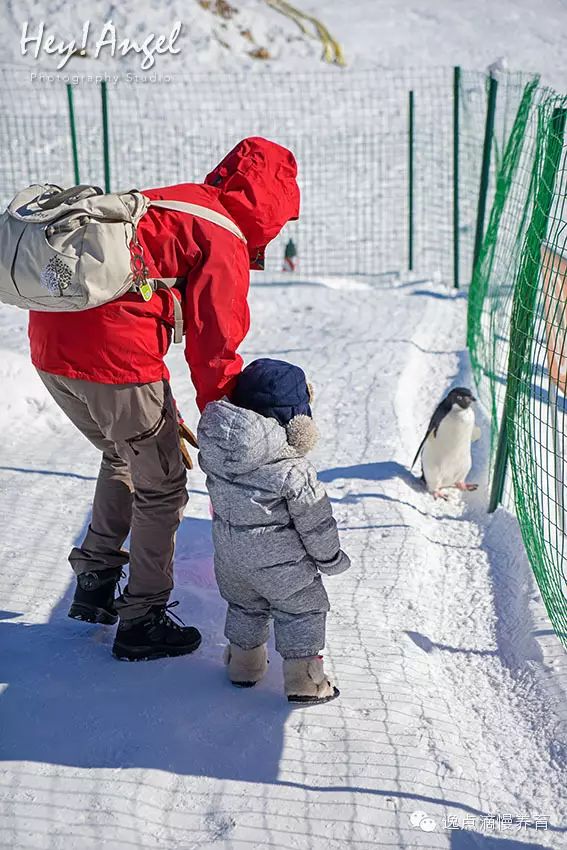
[(485, 169), (73, 133), (525, 295), (105, 137), (410, 178), (500, 465), (456, 223)]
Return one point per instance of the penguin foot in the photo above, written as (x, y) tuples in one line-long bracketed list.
[(437, 494), (469, 488)]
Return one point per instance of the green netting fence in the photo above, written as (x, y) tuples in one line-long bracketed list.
[(517, 333), (431, 170)]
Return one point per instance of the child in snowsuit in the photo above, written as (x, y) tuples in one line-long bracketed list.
[(273, 528)]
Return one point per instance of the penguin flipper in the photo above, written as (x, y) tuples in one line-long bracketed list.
[(420, 449), (434, 423)]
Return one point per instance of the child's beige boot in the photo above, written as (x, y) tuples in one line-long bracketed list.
[(306, 682), (246, 666)]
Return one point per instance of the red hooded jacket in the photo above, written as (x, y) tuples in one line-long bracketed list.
[(125, 341)]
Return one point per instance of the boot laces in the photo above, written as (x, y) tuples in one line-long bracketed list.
[(168, 614)]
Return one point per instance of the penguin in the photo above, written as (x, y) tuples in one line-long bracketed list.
[(446, 448)]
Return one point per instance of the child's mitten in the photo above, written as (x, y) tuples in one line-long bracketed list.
[(339, 564)]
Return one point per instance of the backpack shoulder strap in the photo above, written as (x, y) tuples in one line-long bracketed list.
[(202, 212), (207, 214), (169, 283)]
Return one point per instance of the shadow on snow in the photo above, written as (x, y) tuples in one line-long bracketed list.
[(69, 702)]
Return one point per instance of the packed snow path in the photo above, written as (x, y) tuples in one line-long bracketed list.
[(446, 705)]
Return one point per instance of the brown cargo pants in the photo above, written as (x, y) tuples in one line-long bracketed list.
[(140, 487)]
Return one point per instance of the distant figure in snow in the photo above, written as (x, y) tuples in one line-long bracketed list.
[(273, 527), (290, 257), (446, 448)]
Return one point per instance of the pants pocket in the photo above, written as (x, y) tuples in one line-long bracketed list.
[(154, 456)]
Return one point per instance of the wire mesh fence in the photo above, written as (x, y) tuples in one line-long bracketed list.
[(391, 168), (517, 336), (364, 208)]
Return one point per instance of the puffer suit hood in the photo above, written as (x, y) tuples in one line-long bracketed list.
[(270, 512), (235, 442), (126, 340)]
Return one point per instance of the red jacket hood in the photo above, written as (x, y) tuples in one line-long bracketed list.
[(258, 187)]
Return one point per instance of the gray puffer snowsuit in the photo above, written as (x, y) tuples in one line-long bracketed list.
[(273, 528)]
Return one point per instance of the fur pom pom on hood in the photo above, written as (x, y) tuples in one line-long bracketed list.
[(302, 434)]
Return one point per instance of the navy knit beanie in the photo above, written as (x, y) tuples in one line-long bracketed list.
[(273, 388)]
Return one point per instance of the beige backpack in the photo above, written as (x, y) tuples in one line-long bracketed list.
[(75, 249)]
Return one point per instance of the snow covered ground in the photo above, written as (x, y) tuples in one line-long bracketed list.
[(453, 687)]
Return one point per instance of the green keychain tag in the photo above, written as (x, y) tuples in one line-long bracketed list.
[(146, 291)]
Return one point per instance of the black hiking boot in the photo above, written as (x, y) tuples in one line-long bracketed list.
[(154, 635), (93, 601)]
